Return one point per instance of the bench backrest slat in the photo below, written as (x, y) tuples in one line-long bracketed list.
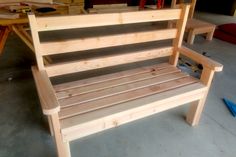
[(96, 20), (80, 43), (101, 62), (50, 48)]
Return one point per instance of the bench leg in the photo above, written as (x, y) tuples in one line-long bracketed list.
[(63, 148), (191, 37), (209, 35), (195, 111)]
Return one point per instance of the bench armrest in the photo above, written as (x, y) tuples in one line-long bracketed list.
[(46, 92), (206, 62)]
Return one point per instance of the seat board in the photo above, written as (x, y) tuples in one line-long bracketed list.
[(150, 89), (121, 88), (113, 83), (102, 78)]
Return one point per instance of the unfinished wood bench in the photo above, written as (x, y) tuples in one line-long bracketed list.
[(79, 108)]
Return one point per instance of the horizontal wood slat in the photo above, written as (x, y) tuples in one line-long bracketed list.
[(108, 77), (117, 89), (50, 48), (124, 97), (91, 122), (114, 82), (94, 20), (102, 62)]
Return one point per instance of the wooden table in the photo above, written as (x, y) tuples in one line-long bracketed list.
[(195, 27)]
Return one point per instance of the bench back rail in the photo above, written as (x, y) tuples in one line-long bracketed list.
[(44, 24)]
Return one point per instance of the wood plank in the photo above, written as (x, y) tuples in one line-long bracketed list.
[(94, 20), (36, 41), (114, 82), (62, 148), (124, 97), (206, 62), (20, 1), (113, 10), (106, 61), (108, 77), (113, 6), (81, 44), (24, 36), (181, 24), (99, 120), (118, 89), (46, 93)]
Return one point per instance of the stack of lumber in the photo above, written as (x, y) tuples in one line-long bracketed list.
[(75, 6), (5, 14)]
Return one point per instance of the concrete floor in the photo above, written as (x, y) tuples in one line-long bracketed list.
[(24, 132)]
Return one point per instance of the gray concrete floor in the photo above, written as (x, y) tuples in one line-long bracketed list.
[(24, 132)]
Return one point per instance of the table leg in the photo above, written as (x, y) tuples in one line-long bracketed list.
[(191, 37), (210, 34), (4, 32)]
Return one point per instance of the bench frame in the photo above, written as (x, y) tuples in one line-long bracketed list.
[(42, 73)]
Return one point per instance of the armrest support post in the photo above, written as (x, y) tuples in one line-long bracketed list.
[(196, 108), (209, 68)]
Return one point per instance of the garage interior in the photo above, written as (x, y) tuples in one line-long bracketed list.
[(25, 131)]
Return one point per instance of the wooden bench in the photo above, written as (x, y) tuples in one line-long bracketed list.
[(79, 108)]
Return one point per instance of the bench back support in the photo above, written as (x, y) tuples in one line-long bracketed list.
[(60, 23)]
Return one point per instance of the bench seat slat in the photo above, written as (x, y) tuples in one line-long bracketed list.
[(118, 89), (81, 44), (108, 77), (124, 97), (102, 119), (114, 82), (102, 62)]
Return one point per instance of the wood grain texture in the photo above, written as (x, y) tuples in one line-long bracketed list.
[(36, 41)]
